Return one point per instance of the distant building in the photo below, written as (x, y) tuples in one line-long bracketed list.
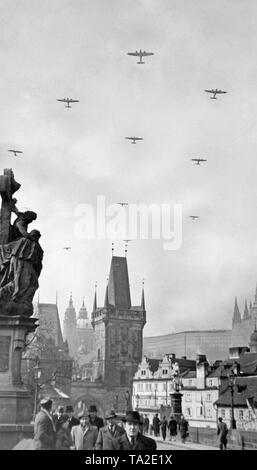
[(47, 350), (78, 331), (117, 345), (213, 343), (242, 367)]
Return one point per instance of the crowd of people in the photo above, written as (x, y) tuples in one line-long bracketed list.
[(61, 430)]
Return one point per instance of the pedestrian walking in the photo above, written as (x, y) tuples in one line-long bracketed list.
[(110, 432), (164, 425), (132, 439), (173, 425), (183, 426), (44, 427), (222, 432), (146, 424), (156, 425), (84, 435)]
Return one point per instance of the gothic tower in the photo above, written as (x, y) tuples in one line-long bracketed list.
[(118, 328), (69, 327)]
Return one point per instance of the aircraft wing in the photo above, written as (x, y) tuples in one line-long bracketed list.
[(220, 91), (133, 53), (138, 138), (73, 101), (130, 138), (147, 53), (210, 91), (64, 100)]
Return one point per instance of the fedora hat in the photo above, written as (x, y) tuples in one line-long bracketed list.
[(46, 401), (92, 408), (132, 417), (110, 414)]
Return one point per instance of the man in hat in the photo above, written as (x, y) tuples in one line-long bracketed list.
[(44, 428), (84, 435), (57, 415), (94, 419), (72, 420), (132, 439), (108, 433)]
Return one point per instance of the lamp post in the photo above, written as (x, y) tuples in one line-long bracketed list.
[(37, 375), (231, 384)]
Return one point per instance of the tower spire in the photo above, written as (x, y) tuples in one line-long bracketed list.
[(246, 311), (106, 302), (112, 249), (95, 298), (143, 295), (70, 301), (236, 314)]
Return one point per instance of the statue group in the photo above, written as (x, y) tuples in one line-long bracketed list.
[(20, 253)]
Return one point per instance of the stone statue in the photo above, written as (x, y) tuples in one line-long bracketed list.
[(20, 253)]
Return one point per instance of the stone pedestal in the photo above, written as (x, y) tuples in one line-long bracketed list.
[(15, 399), (176, 407)]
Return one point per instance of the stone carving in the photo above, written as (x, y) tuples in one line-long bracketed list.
[(20, 253)]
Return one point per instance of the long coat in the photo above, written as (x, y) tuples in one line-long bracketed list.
[(222, 432), (44, 432), (105, 439), (142, 443), (63, 439), (84, 440)]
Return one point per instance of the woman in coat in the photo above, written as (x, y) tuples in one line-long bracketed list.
[(183, 429)]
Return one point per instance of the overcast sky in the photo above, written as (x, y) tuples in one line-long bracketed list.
[(77, 48)]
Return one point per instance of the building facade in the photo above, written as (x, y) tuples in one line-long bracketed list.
[(155, 381), (213, 343)]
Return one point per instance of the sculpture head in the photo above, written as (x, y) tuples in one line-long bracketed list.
[(35, 235), (29, 216)]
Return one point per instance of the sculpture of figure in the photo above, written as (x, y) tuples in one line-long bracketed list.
[(20, 226), (20, 253), (20, 267)]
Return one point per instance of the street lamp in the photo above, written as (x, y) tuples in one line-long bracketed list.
[(231, 384), (137, 401), (37, 375)]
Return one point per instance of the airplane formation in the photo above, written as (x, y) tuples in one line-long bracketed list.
[(141, 54)]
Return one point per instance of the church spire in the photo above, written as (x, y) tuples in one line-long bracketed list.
[(70, 301), (143, 296), (246, 311), (236, 314), (95, 298), (106, 302)]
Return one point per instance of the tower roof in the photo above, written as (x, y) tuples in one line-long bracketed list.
[(118, 284), (246, 311), (82, 312), (236, 314), (70, 312)]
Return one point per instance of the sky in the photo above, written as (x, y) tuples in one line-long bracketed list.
[(78, 48)]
